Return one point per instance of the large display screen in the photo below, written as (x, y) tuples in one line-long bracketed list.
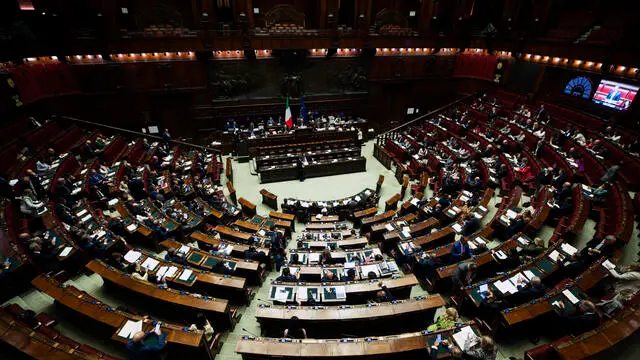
[(615, 95), (579, 86)]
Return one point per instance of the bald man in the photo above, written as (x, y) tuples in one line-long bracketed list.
[(141, 348)]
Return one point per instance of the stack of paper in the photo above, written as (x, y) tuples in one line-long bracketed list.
[(132, 256), (184, 249), (281, 294), (132, 227), (171, 272), (389, 227), (500, 255), (457, 227), (523, 241), (341, 292)]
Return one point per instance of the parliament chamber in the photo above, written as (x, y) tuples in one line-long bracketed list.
[(259, 179)]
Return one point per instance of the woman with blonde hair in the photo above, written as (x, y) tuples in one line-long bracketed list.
[(446, 320)]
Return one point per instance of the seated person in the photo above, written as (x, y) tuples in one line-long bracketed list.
[(174, 256), (295, 330), (138, 348), (459, 250), (471, 224), (286, 276), (534, 290), (533, 249), (597, 248), (446, 320), (384, 295), (29, 205), (586, 318), (329, 276), (351, 275)]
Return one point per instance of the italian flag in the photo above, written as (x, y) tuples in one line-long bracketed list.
[(288, 119)]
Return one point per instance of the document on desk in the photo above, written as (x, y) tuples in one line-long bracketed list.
[(554, 255), (171, 272), (568, 249), (162, 271), (414, 201), (366, 269), (500, 255), (132, 256), (529, 274), (66, 251), (130, 328), (150, 264), (457, 227), (184, 249), (574, 300), (608, 265), (465, 336), (81, 213), (186, 275), (389, 227), (511, 214), (132, 227), (483, 288), (341, 292), (282, 294), (86, 218)]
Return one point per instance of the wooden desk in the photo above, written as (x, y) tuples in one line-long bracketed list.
[(218, 309), (84, 304), (379, 183), (206, 241), (232, 193), (269, 199), (334, 244), (379, 228), (356, 320), (321, 226), (204, 260), (247, 225), (35, 344), (405, 184), (367, 222), (388, 347), (359, 215), (415, 230), (229, 170), (228, 233), (392, 203), (359, 291), (248, 208), (324, 219)]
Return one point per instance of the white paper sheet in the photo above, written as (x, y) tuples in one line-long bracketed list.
[(150, 263), (341, 292), (132, 227), (171, 272), (389, 227), (568, 249), (130, 328), (554, 255), (457, 227), (66, 251), (461, 337), (184, 249), (81, 213), (608, 265), (186, 274), (162, 271), (574, 300), (281, 295), (132, 256)]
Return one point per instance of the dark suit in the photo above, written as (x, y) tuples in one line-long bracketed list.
[(143, 351)]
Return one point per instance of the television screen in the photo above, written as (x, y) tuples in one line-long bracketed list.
[(615, 95), (579, 86)]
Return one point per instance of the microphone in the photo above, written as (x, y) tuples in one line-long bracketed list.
[(263, 301), (250, 333)]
